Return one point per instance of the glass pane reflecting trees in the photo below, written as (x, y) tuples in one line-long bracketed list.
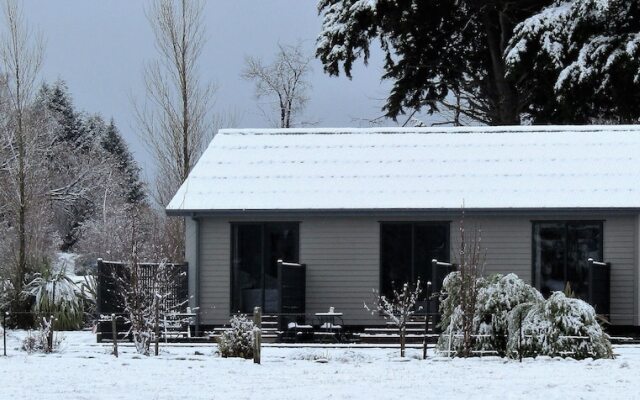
[(560, 254), (406, 251), (255, 251)]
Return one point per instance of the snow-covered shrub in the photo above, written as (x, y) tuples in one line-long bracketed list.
[(237, 341), (497, 296), (41, 340), (496, 299), (559, 326), (56, 294), (450, 341)]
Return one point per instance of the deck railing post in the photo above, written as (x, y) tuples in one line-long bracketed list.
[(257, 334), (114, 335)]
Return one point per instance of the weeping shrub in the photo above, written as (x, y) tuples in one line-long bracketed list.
[(496, 300), (558, 327), (56, 294), (238, 340), (497, 296)]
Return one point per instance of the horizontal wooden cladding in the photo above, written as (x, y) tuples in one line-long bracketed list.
[(342, 257), (620, 250), (215, 273)]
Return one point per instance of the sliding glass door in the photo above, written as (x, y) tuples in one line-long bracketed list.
[(406, 251), (560, 253), (255, 251)]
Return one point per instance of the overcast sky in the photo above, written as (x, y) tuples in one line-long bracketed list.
[(100, 47)]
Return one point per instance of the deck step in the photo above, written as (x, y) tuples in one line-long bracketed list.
[(392, 330)]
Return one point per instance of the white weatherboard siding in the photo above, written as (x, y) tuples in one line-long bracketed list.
[(417, 168)]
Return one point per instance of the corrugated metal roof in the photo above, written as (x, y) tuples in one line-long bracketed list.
[(416, 168)]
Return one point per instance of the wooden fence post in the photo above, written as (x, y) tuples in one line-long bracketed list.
[(257, 334), (4, 331), (424, 342), (157, 327), (50, 338), (114, 333), (402, 340)]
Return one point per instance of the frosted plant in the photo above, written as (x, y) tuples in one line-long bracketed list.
[(237, 341), (398, 309), (56, 294), (43, 340), (497, 296), (557, 327), (496, 299)]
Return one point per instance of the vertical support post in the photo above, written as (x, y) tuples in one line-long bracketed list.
[(157, 345), (590, 298), (4, 331), (424, 340), (426, 321), (257, 334), (402, 340), (50, 338), (114, 335)]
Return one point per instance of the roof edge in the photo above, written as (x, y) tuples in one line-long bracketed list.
[(431, 130), (401, 212)]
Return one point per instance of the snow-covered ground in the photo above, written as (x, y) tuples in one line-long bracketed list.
[(86, 370)]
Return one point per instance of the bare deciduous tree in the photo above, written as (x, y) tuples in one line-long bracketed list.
[(285, 81), (399, 309), (20, 57), (470, 265), (176, 118)]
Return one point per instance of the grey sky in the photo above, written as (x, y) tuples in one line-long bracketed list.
[(99, 48)]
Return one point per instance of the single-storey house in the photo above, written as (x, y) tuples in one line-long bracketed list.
[(371, 208)]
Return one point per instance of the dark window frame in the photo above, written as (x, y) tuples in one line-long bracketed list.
[(566, 223), (445, 224), (263, 230)]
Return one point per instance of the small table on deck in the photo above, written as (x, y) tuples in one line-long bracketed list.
[(327, 321)]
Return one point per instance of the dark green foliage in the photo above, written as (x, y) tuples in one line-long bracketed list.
[(70, 127), (536, 61), (579, 62), (432, 49), (84, 143), (115, 146)]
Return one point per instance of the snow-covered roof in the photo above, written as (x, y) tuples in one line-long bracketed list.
[(416, 168)]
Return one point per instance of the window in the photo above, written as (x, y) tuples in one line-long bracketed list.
[(255, 251), (560, 254), (406, 252)]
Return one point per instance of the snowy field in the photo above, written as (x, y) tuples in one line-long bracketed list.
[(85, 370)]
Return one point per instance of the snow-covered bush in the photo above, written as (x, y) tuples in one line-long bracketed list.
[(450, 341), (497, 296), (237, 341), (496, 300), (56, 294), (41, 340), (559, 326)]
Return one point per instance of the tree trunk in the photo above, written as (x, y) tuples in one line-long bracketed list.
[(504, 95)]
